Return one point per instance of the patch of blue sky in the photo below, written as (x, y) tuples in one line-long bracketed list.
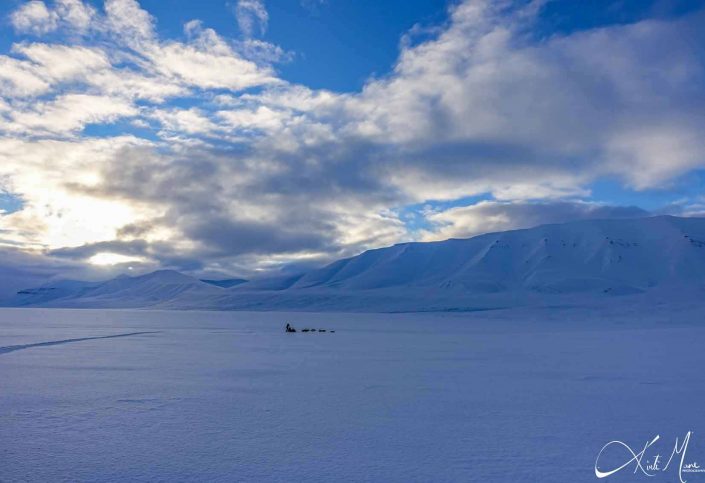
[(10, 203), (566, 16), (341, 44), (121, 128), (414, 216), (687, 188)]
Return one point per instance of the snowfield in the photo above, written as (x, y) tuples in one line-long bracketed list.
[(528, 395)]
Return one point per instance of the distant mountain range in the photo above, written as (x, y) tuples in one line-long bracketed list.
[(578, 262)]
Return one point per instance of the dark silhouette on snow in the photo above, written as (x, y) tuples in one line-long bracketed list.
[(289, 328)]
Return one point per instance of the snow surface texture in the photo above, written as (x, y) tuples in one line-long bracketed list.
[(502, 396), (592, 262)]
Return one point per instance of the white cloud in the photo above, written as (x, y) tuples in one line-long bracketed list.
[(62, 63), (208, 66), (128, 20), (365, 230), (34, 17), (262, 118), (19, 79), (648, 155), (69, 113), (207, 61), (136, 85), (252, 17), (263, 53), (51, 67), (189, 121), (76, 14)]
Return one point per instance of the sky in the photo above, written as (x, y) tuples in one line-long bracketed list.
[(239, 137)]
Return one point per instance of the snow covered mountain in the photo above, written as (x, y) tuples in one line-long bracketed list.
[(53, 291), (585, 260), (149, 290), (610, 255)]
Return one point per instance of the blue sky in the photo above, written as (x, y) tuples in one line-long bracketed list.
[(240, 136)]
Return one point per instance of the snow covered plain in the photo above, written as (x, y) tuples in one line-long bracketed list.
[(508, 395)]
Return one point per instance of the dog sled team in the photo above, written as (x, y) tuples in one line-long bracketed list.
[(290, 328)]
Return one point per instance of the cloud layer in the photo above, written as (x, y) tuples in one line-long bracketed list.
[(192, 153)]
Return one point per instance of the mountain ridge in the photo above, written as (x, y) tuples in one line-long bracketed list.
[(586, 259)]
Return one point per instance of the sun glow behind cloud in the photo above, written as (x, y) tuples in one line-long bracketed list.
[(113, 259), (78, 221)]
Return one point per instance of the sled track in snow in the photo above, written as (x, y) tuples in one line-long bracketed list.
[(12, 348)]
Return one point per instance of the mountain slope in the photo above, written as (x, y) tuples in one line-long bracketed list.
[(49, 292), (227, 283), (148, 290)]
